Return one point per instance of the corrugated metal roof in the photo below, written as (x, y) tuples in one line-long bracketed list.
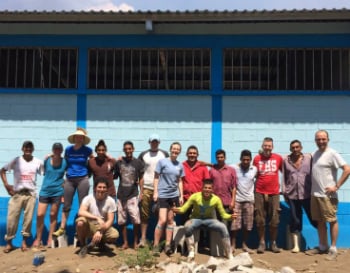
[(176, 16)]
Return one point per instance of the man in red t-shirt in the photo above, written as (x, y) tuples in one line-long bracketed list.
[(195, 173), (267, 199)]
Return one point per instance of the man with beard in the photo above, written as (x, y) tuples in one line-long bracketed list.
[(267, 198), (324, 197)]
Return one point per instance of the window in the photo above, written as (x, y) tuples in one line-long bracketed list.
[(287, 69), (38, 68), (169, 69)]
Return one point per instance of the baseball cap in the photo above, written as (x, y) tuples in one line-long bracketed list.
[(154, 137)]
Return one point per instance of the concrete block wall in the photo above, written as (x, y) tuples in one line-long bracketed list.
[(186, 119), (43, 119), (248, 119)]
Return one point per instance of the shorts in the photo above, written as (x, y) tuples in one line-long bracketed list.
[(167, 203), (129, 207), (245, 216), (145, 205), (267, 205), (324, 209), (50, 199), (110, 234)]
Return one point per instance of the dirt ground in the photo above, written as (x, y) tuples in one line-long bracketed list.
[(66, 260)]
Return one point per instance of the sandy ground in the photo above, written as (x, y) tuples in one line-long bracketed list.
[(66, 260)]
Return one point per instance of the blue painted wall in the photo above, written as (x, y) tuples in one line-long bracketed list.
[(212, 119)]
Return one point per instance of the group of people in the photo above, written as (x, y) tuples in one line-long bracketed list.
[(225, 198)]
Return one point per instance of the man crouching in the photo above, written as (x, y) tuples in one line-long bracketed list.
[(96, 216), (204, 204)]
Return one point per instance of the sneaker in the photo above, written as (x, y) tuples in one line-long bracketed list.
[(168, 250), (190, 256), (261, 248), (274, 248), (247, 249), (83, 251), (332, 255), (142, 243), (156, 251), (316, 251), (59, 232)]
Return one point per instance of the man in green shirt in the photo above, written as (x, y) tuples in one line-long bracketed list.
[(205, 204)]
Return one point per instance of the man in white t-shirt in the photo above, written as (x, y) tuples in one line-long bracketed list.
[(25, 169), (96, 217), (150, 157), (324, 198)]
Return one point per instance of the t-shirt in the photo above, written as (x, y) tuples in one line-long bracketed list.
[(205, 208), (193, 180), (100, 208), (150, 159), (104, 168), (25, 173), (77, 161), (324, 171), (170, 173), (267, 181), (245, 183), (129, 172), (224, 181), (53, 179)]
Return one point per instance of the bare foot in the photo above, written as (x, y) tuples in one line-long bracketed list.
[(125, 246), (24, 246), (8, 248)]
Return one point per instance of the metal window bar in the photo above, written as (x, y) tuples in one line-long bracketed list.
[(250, 68), (184, 69), (175, 68), (313, 69), (241, 68), (96, 68), (259, 69), (113, 69), (278, 69), (25, 69), (193, 69), (268, 69), (158, 67), (340, 69), (304, 69), (105, 69), (149, 69), (50, 68), (232, 70), (16, 68), (33, 67), (331, 65), (140, 68), (123, 68), (322, 70), (59, 67), (202, 70), (349, 68), (7, 67)]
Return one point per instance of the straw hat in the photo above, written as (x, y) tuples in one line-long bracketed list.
[(79, 132)]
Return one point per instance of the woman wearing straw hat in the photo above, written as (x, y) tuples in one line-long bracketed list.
[(77, 179)]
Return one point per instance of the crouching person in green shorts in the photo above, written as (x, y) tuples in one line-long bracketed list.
[(96, 217)]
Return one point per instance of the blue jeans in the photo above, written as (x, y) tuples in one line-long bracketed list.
[(212, 224), (296, 219)]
